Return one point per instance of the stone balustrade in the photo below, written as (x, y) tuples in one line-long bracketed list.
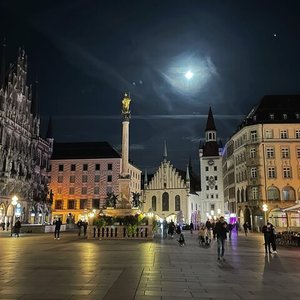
[(120, 232)]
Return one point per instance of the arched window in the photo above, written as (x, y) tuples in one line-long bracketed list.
[(165, 201), (154, 203), (299, 194), (288, 193), (273, 193), (242, 195), (238, 195), (177, 203)]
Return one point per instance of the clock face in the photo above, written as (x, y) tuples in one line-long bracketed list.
[(210, 162)]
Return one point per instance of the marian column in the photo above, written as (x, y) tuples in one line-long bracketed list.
[(125, 135), (124, 179)]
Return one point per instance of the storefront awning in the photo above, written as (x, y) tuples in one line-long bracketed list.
[(293, 208)]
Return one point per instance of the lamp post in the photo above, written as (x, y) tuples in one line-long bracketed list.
[(265, 209), (14, 202)]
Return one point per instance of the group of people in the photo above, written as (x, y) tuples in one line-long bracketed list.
[(82, 224)]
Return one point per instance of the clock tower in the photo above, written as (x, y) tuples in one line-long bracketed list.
[(210, 155)]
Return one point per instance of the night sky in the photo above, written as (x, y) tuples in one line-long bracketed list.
[(86, 54)]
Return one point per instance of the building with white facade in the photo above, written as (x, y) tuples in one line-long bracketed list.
[(210, 155), (172, 194)]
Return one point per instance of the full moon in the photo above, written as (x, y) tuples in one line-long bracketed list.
[(189, 74)]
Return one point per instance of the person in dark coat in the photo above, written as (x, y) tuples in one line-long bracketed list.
[(17, 228), (221, 232), (181, 240), (171, 229), (191, 227), (85, 225), (230, 228), (272, 236), (246, 228), (58, 224)]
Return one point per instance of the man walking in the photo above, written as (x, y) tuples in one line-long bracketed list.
[(221, 232), (57, 229)]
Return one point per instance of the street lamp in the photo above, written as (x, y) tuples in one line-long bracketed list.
[(265, 209), (14, 202)]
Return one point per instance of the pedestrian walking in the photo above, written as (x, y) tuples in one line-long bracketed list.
[(213, 227), (230, 228), (181, 240), (79, 225), (58, 224), (7, 225), (171, 229), (246, 227), (221, 232), (272, 237), (3, 225), (237, 227), (191, 227), (85, 225), (208, 226), (267, 238), (17, 228)]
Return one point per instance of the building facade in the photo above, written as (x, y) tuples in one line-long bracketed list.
[(261, 164), (24, 155), (82, 175), (210, 156), (172, 194)]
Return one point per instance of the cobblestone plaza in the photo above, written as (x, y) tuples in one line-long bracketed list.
[(39, 267)]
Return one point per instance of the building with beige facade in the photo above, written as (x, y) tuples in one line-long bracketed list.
[(261, 164)]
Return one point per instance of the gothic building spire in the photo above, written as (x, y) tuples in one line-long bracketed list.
[(49, 134), (165, 152), (210, 130)]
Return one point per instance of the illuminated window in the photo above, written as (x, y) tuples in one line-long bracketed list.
[(284, 134), (83, 203), (271, 172), (288, 193), (272, 116), (177, 203), (253, 173), (254, 191), (252, 153), (165, 201), (59, 204), (297, 134), (287, 172), (284, 116), (154, 203), (269, 134), (270, 152), (285, 153), (273, 193), (253, 136), (71, 204)]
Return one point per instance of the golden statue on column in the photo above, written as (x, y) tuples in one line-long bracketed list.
[(126, 104)]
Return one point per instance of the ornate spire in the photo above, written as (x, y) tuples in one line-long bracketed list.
[(187, 177), (146, 177), (165, 152), (210, 125), (49, 134)]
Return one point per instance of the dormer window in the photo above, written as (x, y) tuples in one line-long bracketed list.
[(297, 116), (284, 116), (272, 116)]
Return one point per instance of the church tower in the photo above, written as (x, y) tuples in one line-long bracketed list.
[(210, 155)]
